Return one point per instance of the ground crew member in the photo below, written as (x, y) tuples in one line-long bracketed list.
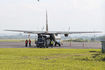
[(29, 43), (48, 42), (26, 42), (52, 43), (58, 42)]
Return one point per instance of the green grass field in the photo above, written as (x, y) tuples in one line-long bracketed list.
[(51, 59)]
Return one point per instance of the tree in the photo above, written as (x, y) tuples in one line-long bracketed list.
[(92, 39)]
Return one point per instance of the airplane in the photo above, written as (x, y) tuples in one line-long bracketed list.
[(53, 34)]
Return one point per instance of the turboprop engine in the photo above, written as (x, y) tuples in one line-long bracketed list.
[(56, 34), (66, 35)]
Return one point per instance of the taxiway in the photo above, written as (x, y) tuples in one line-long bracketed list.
[(75, 45)]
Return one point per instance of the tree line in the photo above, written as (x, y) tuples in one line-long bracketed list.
[(81, 39)]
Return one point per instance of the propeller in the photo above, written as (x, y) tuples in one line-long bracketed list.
[(38, 29), (42, 28), (63, 29), (68, 29)]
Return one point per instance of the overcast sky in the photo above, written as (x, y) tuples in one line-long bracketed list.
[(79, 15)]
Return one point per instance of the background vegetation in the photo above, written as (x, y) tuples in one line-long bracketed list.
[(20, 37)]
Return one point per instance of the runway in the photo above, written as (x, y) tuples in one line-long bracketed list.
[(74, 45)]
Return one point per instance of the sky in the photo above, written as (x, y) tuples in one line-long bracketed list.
[(79, 15)]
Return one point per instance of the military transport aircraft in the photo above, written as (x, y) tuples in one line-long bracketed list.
[(52, 34)]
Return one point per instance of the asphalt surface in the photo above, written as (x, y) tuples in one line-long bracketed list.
[(75, 45)]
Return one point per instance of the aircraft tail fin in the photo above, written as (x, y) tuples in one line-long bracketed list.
[(46, 22)]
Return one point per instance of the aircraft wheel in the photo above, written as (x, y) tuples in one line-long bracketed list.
[(40, 46), (43, 46), (46, 46)]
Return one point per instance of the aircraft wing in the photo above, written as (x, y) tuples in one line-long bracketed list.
[(74, 32), (25, 31), (54, 32)]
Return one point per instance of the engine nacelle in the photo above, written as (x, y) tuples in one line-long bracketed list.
[(39, 34), (56, 34), (66, 35)]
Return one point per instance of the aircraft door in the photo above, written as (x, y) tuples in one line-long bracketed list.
[(52, 37)]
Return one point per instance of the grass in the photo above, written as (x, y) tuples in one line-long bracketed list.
[(51, 59)]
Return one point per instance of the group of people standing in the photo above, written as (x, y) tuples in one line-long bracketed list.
[(26, 43)]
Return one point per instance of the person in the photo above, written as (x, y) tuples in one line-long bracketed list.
[(52, 43), (58, 42), (48, 42), (26, 42), (29, 43)]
